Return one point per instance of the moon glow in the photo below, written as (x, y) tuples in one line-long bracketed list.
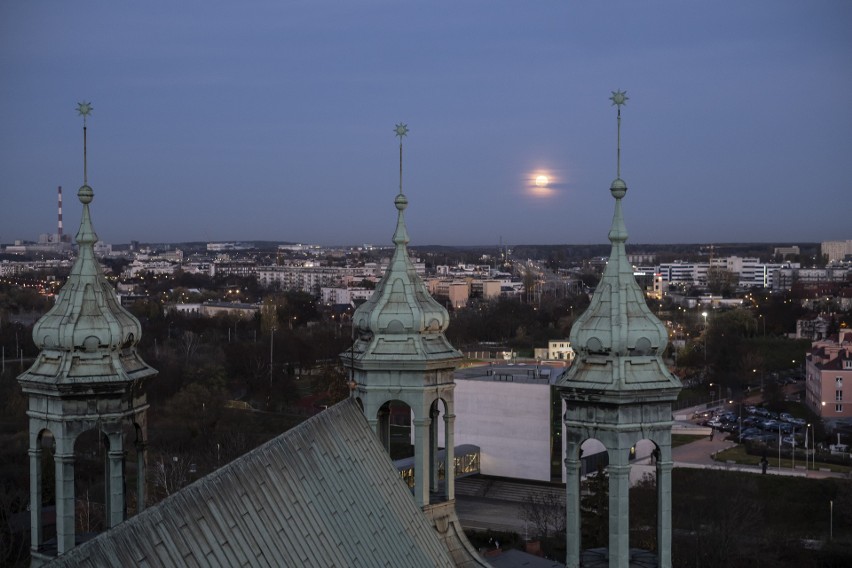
[(542, 181)]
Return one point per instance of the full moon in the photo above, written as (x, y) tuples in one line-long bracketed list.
[(541, 181)]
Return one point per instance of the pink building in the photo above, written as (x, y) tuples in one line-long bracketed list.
[(829, 368)]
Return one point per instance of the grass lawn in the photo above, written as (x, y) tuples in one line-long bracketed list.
[(681, 439), (738, 454)]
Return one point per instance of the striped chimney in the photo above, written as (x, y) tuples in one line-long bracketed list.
[(60, 214)]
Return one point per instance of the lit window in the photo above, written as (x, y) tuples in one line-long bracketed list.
[(838, 382)]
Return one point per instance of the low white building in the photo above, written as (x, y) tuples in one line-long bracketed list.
[(505, 410), (560, 350)]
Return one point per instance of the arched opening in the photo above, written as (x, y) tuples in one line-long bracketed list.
[(394, 429), (43, 492), (645, 454), (444, 462), (91, 485), (594, 495)]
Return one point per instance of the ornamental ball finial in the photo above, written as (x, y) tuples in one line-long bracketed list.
[(401, 130), (85, 195)]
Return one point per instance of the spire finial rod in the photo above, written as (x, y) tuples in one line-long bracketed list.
[(619, 98), (84, 109), (401, 130)]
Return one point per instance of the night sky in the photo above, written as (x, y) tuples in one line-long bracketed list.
[(222, 121)]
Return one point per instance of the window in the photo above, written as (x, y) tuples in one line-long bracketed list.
[(838, 408), (838, 395), (838, 382)]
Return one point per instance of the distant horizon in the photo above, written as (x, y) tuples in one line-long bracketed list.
[(390, 244)]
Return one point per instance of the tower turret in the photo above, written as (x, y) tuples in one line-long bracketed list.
[(86, 376), (400, 353), (618, 391)]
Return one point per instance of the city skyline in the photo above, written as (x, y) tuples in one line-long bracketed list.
[(276, 122)]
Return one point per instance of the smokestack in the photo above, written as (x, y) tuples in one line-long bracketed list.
[(60, 214)]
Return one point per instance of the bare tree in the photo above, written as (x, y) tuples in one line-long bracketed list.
[(13, 503), (189, 342), (90, 515), (546, 518), (170, 475)]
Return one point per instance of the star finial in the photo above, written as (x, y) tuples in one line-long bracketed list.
[(619, 98), (401, 130), (84, 109)]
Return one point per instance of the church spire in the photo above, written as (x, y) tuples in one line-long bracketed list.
[(87, 317), (618, 322), (400, 236), (401, 302)]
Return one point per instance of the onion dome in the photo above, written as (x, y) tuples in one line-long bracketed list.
[(87, 336), (401, 311)]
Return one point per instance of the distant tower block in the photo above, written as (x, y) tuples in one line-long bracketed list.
[(618, 392), (87, 376)]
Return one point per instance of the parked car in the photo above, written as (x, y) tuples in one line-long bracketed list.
[(749, 433)]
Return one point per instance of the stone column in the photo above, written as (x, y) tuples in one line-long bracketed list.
[(572, 511), (36, 527), (619, 509), (115, 484), (141, 475), (450, 456), (421, 461), (664, 510), (383, 427), (64, 502), (433, 450)]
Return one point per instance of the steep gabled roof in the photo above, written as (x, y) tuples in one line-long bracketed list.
[(324, 493)]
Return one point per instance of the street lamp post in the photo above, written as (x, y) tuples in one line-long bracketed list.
[(813, 447), (739, 419), (704, 314), (271, 339), (719, 397), (779, 447), (807, 429)]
